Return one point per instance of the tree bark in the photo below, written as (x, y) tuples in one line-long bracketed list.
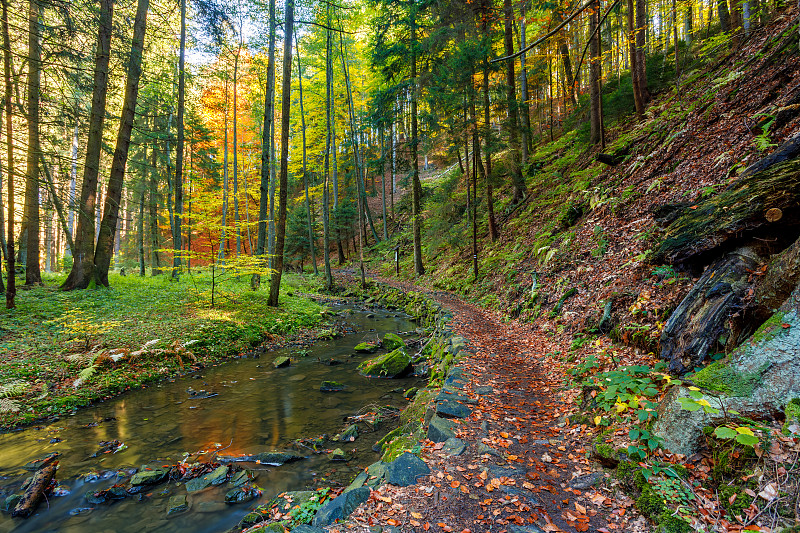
[(641, 38), (724, 15), (416, 186), (596, 134), (512, 123), (280, 234), (177, 236), (638, 99), (39, 484), (82, 272), (108, 226), (305, 162), (33, 275), (266, 137), (155, 263)]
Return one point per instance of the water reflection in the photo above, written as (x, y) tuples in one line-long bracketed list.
[(257, 408)]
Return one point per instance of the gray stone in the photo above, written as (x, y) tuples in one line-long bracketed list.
[(341, 507), (524, 494), (440, 429), (452, 409), (277, 458), (484, 390), (305, 528), (216, 477), (454, 446), (483, 448), (358, 482), (406, 469), (148, 475), (339, 455), (241, 495), (501, 471), (584, 482), (177, 504), (242, 477)]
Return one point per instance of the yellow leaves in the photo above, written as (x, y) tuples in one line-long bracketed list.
[(621, 407), (597, 420), (744, 430), (703, 401)]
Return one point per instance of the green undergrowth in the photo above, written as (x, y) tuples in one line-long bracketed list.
[(54, 338)]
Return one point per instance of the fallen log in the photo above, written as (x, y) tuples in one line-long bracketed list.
[(746, 209), (36, 489), (700, 321)]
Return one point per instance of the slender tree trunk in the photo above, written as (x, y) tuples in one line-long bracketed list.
[(224, 231), (73, 178), (82, 272), (11, 290), (416, 186), (48, 179), (237, 229), (596, 134), (266, 142), (325, 196), (523, 83), (280, 234), (383, 184), (305, 161), (512, 123), (494, 232), (33, 275), (638, 99), (140, 221), (155, 263), (108, 227), (641, 37), (177, 237)]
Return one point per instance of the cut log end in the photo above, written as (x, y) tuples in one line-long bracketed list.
[(773, 215)]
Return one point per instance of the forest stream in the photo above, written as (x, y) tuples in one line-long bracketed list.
[(242, 407)]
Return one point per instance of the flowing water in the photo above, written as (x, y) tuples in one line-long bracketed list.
[(257, 408)]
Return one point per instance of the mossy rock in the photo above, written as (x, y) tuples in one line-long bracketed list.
[(281, 361), (394, 364), (392, 341), (398, 447), (792, 411), (367, 347)]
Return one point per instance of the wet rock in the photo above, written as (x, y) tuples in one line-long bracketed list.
[(367, 347), (241, 495), (341, 507), (61, 490), (349, 435), (10, 502), (95, 498), (200, 394), (277, 458), (440, 429), (454, 446), (81, 511), (242, 477), (451, 409), (392, 341), (216, 477), (394, 364), (332, 362), (281, 361), (331, 386), (339, 455), (584, 482), (149, 475), (177, 504), (209, 507), (406, 469), (410, 393)]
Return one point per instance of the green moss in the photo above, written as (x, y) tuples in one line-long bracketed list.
[(740, 503), (769, 329), (668, 523), (626, 470), (792, 415), (720, 377), (650, 503), (398, 446)]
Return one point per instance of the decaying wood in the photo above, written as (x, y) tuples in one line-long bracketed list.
[(736, 215), (700, 321), (36, 489), (788, 151)]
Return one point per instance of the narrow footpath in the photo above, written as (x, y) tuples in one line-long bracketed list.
[(524, 468)]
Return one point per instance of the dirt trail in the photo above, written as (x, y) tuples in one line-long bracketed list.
[(524, 469)]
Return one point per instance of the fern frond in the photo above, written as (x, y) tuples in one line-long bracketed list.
[(14, 388)]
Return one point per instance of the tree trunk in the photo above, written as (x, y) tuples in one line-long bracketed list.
[(638, 100), (223, 239), (494, 232), (416, 187), (40, 483), (82, 272), (523, 82), (724, 15), (236, 227), (280, 235), (305, 162), (595, 75), (11, 290), (155, 264), (641, 38), (56, 201), (33, 276), (266, 137), (140, 221), (108, 227), (325, 195), (512, 123), (177, 237)]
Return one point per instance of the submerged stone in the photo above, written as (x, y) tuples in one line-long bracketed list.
[(177, 504), (148, 475), (350, 434), (331, 386), (241, 495), (242, 477), (281, 361), (277, 458), (217, 477)]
